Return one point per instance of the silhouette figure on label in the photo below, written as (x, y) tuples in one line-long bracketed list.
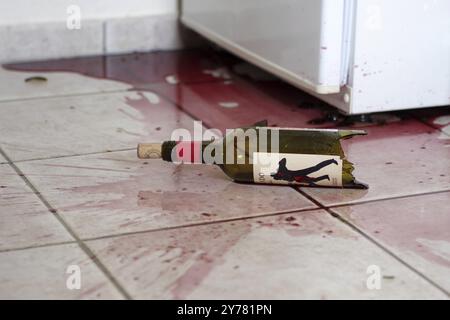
[(301, 176)]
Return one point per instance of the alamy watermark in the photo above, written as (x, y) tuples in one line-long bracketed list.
[(236, 147), (373, 281), (73, 20), (73, 281)]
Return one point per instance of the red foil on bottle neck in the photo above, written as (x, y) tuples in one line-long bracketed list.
[(189, 151)]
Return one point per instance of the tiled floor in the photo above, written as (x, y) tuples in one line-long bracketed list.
[(72, 191), (25, 220)]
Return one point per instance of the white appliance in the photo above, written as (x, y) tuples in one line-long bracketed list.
[(359, 55)]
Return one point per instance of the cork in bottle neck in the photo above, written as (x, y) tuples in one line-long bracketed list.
[(149, 150)]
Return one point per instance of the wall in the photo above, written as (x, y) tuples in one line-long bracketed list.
[(29, 11), (37, 29)]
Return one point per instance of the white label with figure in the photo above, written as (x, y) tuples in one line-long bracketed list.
[(302, 169)]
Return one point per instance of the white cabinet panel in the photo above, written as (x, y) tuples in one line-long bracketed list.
[(361, 56), (401, 55), (299, 40)]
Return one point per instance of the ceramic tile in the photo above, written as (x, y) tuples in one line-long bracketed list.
[(187, 66), (416, 229), (48, 40), (438, 117), (307, 255), (24, 220), (93, 66), (203, 82), (41, 273), (15, 85), (251, 95), (398, 159), (238, 102), (127, 194), (208, 247), (168, 67), (95, 123)]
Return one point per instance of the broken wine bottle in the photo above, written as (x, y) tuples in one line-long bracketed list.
[(268, 155)]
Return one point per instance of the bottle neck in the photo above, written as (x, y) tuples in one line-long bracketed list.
[(184, 151)]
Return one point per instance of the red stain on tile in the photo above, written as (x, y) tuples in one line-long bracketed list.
[(188, 255), (201, 84), (130, 196), (135, 68), (408, 224), (91, 290), (228, 235), (306, 224), (152, 113), (143, 105), (400, 144), (436, 117), (146, 198), (250, 103), (200, 89), (89, 66), (207, 255), (272, 100)]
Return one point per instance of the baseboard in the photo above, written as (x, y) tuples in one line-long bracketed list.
[(53, 40)]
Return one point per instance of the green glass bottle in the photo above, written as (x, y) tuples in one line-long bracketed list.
[(261, 154)]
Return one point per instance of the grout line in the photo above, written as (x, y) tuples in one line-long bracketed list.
[(132, 86), (304, 194), (45, 245), (72, 155), (263, 215), (176, 105), (80, 242), (179, 107), (272, 214), (81, 94), (205, 125), (375, 242), (89, 252), (196, 224), (387, 250), (386, 199)]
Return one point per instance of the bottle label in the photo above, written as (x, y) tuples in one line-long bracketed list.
[(302, 169)]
